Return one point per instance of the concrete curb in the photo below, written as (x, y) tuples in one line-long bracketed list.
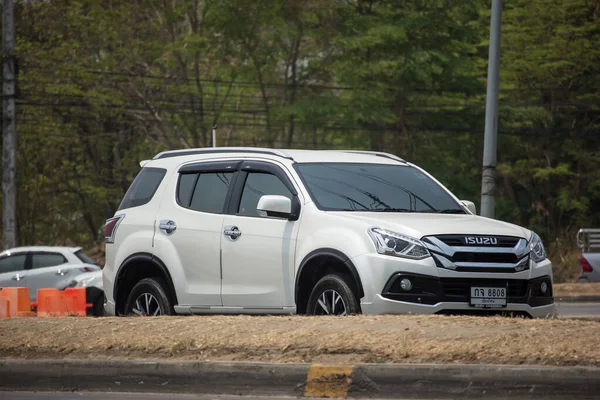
[(263, 379), (578, 299)]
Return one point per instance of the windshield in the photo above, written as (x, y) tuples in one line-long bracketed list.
[(374, 187)]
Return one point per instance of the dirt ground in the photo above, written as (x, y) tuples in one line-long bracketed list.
[(382, 339), (577, 289)]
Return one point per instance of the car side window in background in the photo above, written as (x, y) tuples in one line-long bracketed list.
[(84, 257), (210, 192), (143, 187), (257, 185), (43, 260), (12, 263)]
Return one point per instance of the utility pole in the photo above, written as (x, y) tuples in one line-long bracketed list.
[(9, 134), (488, 179), (214, 135)]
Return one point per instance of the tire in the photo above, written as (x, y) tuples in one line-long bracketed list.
[(98, 307), (149, 298), (333, 289)]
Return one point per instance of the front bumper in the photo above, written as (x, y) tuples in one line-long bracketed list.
[(382, 305), (437, 290)]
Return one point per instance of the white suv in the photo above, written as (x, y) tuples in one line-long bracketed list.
[(249, 230)]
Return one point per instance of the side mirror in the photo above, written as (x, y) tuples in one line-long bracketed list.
[(274, 206), (470, 206)]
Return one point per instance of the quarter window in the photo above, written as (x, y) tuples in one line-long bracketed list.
[(44, 260), (12, 263), (143, 187), (259, 184)]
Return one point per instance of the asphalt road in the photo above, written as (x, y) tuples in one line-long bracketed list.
[(572, 310), (127, 396), (123, 396)]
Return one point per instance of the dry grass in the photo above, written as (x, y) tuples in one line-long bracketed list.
[(577, 289), (565, 260), (386, 339)]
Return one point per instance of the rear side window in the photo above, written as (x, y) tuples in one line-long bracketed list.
[(43, 260), (206, 191), (143, 187), (84, 257), (12, 263)]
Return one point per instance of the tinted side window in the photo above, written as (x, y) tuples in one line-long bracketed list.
[(259, 184), (186, 188), (12, 263), (210, 192), (44, 260), (143, 187)]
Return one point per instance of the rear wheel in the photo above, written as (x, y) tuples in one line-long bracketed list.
[(332, 295), (148, 298)]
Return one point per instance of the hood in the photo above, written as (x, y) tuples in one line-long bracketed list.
[(424, 224)]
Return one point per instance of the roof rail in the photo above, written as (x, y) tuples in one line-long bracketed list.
[(216, 150), (375, 153)]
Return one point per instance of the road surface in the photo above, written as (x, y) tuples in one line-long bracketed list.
[(571, 310), (124, 396)]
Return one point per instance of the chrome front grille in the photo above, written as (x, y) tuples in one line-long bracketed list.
[(473, 253), (461, 240)]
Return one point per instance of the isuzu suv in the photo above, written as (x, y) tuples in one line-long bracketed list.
[(262, 231)]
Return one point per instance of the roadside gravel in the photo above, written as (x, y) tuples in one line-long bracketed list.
[(381, 339)]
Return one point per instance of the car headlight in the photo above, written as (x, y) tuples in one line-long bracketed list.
[(395, 244), (537, 251)]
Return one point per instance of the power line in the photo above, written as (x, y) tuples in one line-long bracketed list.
[(367, 85)]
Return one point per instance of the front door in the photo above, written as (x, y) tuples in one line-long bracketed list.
[(258, 252), (189, 230), (12, 270)]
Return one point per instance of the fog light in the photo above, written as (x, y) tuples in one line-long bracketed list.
[(406, 284), (544, 287)]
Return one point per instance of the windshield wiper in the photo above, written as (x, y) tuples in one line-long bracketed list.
[(450, 211), (391, 209)]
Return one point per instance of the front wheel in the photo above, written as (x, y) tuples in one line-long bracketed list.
[(332, 295), (148, 299)]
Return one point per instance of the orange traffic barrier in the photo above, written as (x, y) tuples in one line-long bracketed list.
[(20, 305), (54, 302), (4, 307)]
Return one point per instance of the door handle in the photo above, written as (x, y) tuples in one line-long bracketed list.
[(61, 272), (168, 226), (18, 277), (232, 232)]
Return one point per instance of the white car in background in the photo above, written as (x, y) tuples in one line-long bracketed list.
[(42, 267)]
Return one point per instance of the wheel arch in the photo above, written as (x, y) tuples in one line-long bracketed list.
[(135, 268), (317, 264)]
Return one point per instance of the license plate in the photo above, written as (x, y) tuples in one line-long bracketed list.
[(488, 297)]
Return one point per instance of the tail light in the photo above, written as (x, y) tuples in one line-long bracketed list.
[(585, 265), (110, 228), (85, 269)]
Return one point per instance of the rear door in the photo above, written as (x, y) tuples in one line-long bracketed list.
[(12, 270), (47, 270), (189, 230)]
